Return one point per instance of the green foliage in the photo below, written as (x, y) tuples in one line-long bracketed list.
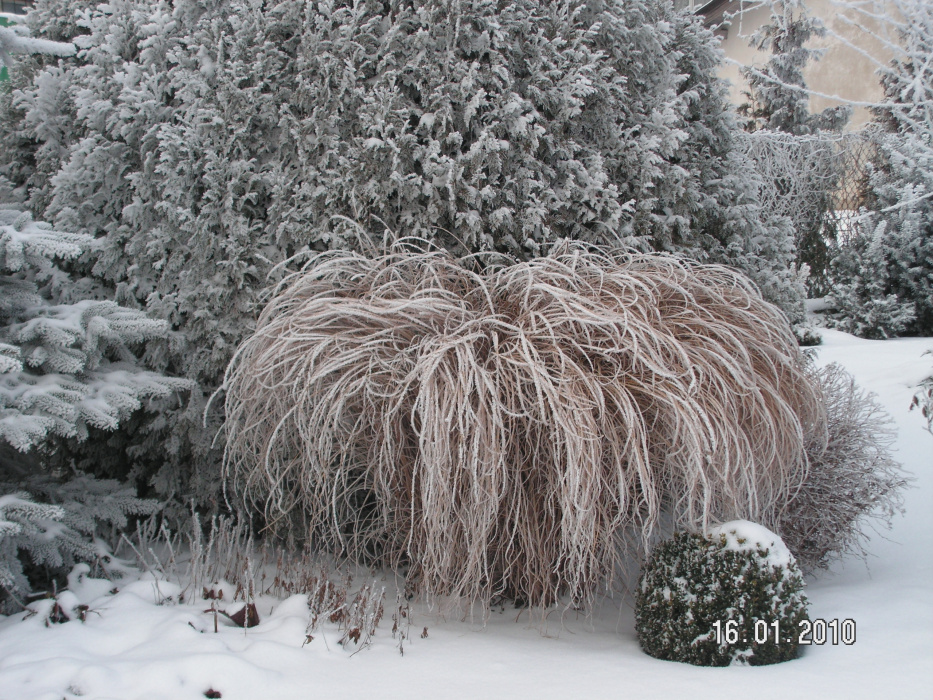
[(23, 525), (691, 582), (57, 524), (4, 74)]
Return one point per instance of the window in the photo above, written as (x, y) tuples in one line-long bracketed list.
[(16, 7)]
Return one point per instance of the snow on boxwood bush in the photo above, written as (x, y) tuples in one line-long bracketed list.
[(719, 599)]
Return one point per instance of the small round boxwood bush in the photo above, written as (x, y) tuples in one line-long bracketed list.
[(720, 599)]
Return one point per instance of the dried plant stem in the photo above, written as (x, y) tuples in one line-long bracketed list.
[(852, 479)]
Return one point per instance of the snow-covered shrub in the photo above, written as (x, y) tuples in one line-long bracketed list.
[(56, 524), (206, 142), (863, 300), (498, 429), (923, 400), (734, 596), (807, 335), (852, 480), (799, 176)]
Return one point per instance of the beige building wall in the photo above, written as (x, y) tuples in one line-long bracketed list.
[(847, 69)]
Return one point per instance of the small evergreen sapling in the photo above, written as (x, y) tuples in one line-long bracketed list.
[(864, 301), (777, 94), (732, 597)]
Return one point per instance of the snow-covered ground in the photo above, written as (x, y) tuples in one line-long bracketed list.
[(131, 647)]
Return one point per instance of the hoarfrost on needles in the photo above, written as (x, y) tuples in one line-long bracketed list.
[(64, 367)]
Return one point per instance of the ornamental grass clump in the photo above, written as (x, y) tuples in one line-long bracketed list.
[(513, 430), (734, 596)]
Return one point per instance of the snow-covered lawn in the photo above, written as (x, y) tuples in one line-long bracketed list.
[(131, 647)]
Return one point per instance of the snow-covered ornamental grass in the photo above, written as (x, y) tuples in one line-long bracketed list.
[(521, 430)]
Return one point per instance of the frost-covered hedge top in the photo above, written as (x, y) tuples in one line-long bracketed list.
[(246, 133)]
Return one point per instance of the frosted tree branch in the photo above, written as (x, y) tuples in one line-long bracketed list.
[(16, 39)]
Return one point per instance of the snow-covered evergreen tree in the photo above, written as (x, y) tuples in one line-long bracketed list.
[(247, 132), (778, 101), (777, 94), (884, 275), (65, 364)]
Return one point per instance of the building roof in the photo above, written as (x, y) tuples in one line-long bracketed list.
[(714, 11)]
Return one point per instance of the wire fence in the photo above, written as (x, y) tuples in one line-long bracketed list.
[(819, 182), (812, 177)]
